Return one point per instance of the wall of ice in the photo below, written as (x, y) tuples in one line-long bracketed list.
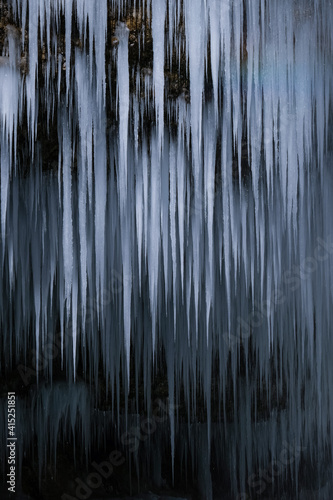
[(189, 231)]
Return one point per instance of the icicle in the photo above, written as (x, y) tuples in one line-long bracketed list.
[(67, 217), (123, 93), (158, 22), (84, 159), (10, 83), (215, 45), (31, 78), (154, 234), (68, 37), (100, 203), (172, 211)]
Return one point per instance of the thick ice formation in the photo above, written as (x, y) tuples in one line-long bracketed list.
[(190, 231)]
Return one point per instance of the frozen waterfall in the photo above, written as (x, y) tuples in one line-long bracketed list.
[(165, 222)]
